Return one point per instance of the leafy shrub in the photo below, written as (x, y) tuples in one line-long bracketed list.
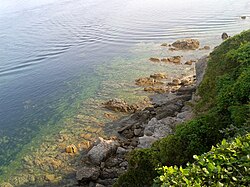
[(142, 164), (228, 164)]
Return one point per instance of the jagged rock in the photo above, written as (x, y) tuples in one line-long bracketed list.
[(243, 17), (186, 44), (152, 59), (146, 141), (71, 149), (119, 105), (224, 36), (159, 76), (174, 59), (88, 173), (157, 89), (101, 151)]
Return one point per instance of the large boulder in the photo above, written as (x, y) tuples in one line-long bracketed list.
[(102, 150), (88, 173), (186, 44)]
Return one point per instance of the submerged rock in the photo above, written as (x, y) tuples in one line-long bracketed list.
[(152, 59), (159, 76), (186, 44), (71, 149), (206, 47), (224, 36), (174, 59)]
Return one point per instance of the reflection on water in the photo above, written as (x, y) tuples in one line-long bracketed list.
[(61, 59)]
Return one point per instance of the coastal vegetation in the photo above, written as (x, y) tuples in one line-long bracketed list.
[(222, 113)]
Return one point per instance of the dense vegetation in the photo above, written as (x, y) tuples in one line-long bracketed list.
[(222, 112)]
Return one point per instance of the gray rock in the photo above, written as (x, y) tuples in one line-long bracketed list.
[(88, 173), (109, 173), (101, 151), (184, 115), (200, 68), (146, 141), (137, 132), (124, 164), (121, 151)]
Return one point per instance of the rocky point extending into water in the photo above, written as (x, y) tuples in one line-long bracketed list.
[(106, 159)]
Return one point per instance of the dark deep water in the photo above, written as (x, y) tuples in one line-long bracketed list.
[(49, 50)]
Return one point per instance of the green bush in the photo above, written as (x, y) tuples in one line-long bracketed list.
[(143, 160), (228, 164)]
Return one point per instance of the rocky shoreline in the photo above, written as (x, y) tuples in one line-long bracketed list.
[(106, 159)]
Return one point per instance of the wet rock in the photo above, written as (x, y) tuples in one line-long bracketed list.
[(88, 173), (175, 82), (186, 44), (118, 105), (101, 151), (159, 76), (206, 47), (174, 59), (146, 141), (152, 59), (224, 36), (164, 44), (157, 89), (71, 149), (147, 81), (243, 17), (190, 62)]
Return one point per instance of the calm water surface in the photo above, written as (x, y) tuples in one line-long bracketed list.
[(50, 50)]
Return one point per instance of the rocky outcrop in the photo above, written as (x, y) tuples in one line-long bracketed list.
[(200, 68), (186, 44), (147, 81), (159, 76)]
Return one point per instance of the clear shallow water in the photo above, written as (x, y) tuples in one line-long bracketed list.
[(52, 51)]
